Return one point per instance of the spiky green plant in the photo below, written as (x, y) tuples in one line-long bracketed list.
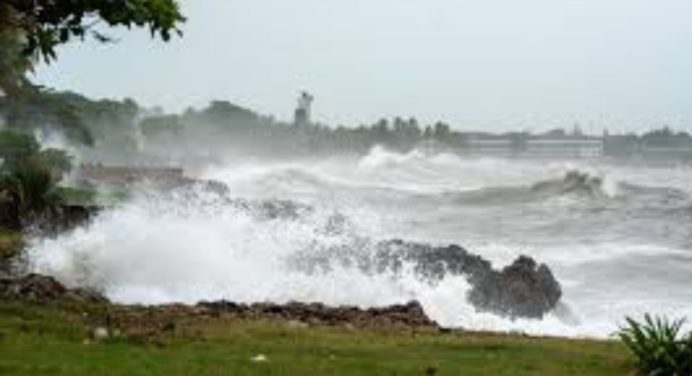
[(35, 186), (658, 346)]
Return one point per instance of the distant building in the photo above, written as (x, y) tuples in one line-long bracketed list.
[(303, 114), (683, 153), (553, 147), (496, 147), (567, 147)]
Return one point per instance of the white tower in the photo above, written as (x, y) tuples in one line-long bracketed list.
[(303, 111)]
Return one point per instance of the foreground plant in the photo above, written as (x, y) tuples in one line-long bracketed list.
[(658, 346), (35, 186)]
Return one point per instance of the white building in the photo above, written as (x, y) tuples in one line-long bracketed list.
[(496, 147), (536, 148), (564, 148)]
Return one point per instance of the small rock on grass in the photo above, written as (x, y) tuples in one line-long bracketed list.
[(259, 358)]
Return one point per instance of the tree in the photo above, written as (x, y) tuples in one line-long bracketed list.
[(441, 131), (45, 24), (31, 31), (16, 147), (13, 65), (29, 177)]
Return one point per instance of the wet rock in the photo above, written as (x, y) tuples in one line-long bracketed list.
[(522, 289), (39, 288), (32, 287), (272, 209), (100, 334), (405, 315), (259, 358), (297, 324), (64, 218), (9, 210)]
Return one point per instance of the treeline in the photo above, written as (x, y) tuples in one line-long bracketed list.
[(120, 131), (233, 125)]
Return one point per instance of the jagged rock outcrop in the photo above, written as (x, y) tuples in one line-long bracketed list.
[(399, 315), (272, 209), (42, 289), (63, 218), (520, 290)]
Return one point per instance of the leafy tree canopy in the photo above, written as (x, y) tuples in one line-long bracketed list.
[(33, 29), (45, 24)]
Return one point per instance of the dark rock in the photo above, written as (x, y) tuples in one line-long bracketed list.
[(64, 218), (272, 209), (39, 288), (9, 210), (32, 287), (406, 315), (521, 289)]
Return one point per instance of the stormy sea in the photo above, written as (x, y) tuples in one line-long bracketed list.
[(617, 238)]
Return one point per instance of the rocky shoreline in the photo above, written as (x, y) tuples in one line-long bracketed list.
[(523, 289), (151, 321)]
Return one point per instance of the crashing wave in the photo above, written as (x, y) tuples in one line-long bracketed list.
[(523, 289), (575, 182)]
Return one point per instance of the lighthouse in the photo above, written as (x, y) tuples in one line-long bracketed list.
[(302, 114)]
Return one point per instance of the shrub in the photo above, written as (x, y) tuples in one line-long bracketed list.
[(658, 346), (15, 147), (10, 244), (35, 187)]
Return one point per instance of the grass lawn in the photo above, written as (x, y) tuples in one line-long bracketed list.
[(39, 340)]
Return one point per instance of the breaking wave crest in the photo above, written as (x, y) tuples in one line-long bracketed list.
[(618, 242)]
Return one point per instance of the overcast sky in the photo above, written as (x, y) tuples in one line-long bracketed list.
[(474, 63)]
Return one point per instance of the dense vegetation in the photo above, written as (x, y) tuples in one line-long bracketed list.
[(119, 130), (29, 178), (658, 345), (33, 29)]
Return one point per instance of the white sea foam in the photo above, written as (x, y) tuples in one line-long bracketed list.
[(612, 260)]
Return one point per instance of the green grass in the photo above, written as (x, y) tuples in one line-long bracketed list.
[(36, 341)]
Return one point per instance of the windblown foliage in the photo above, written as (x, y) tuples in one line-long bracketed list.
[(30, 176), (45, 24), (658, 346), (35, 185), (31, 30)]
